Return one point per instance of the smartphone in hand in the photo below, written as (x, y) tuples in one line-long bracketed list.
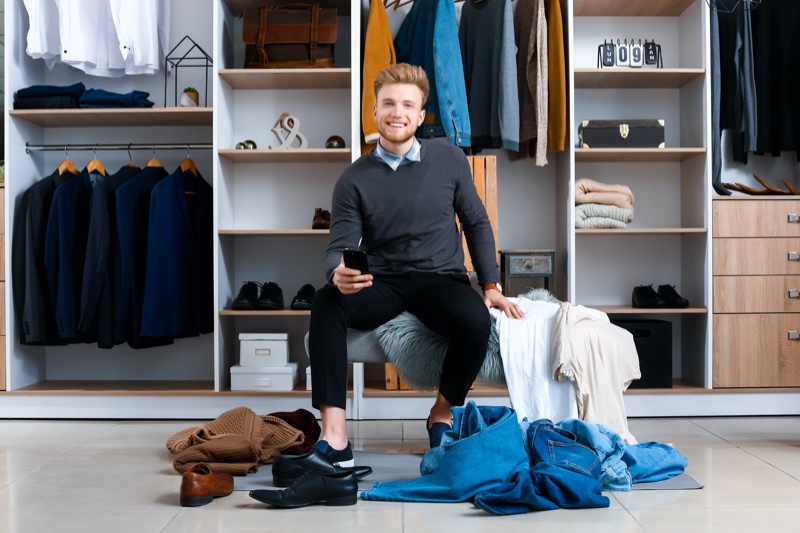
[(356, 259)]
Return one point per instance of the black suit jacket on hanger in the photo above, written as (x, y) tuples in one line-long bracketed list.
[(97, 303), (31, 298)]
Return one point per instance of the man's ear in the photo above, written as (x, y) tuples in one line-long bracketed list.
[(375, 112), (421, 118)]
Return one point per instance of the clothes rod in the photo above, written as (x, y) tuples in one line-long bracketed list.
[(118, 146)]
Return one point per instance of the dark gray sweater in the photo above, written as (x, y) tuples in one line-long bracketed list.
[(407, 217)]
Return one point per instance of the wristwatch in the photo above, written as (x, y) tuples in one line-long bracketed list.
[(495, 286)]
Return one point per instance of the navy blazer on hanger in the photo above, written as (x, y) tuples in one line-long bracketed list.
[(179, 279)]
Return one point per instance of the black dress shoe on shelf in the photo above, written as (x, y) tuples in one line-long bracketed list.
[(247, 297), (671, 297), (645, 296), (333, 488), (271, 297), (302, 301), (286, 469)]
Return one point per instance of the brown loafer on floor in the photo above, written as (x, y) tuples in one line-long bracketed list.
[(200, 485)]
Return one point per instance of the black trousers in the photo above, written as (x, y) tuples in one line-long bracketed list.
[(447, 304)]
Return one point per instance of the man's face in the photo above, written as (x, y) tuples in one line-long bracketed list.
[(398, 112)]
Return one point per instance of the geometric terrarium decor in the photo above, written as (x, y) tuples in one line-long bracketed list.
[(732, 6), (186, 53)]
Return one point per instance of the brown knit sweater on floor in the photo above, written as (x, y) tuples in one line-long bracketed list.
[(236, 442)]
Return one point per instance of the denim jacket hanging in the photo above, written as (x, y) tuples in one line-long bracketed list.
[(428, 38)]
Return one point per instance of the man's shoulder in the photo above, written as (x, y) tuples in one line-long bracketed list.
[(440, 147)]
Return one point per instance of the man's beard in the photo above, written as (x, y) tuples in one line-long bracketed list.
[(396, 136)]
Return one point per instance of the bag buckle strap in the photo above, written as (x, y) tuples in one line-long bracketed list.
[(313, 38), (262, 38)]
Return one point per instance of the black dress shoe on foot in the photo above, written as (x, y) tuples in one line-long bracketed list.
[(247, 297), (287, 468), (671, 297), (271, 297), (335, 488), (645, 296), (303, 299)]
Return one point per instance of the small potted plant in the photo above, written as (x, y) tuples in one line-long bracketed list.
[(190, 97)]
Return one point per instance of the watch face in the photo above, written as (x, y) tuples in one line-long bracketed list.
[(499, 287)]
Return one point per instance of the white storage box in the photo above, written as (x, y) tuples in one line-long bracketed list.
[(308, 377), (281, 378), (263, 349)]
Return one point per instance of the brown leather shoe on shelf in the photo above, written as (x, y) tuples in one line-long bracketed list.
[(200, 485), (322, 219)]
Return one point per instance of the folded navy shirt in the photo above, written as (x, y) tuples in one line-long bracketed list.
[(103, 98), (36, 91)]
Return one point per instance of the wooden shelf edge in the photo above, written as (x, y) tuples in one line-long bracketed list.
[(626, 8), (641, 231), (274, 232), (311, 155), (629, 78), (628, 310), (283, 312), (310, 78), (160, 116), (637, 155)]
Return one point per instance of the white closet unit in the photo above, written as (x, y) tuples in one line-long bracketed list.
[(265, 200)]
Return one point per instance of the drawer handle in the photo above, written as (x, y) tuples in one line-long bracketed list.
[(793, 335), (794, 256), (794, 218), (794, 293)]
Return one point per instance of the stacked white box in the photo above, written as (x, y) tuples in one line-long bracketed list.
[(277, 378), (263, 349)]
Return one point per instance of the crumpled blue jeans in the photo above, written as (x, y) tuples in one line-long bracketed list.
[(483, 450), (563, 473), (624, 464)]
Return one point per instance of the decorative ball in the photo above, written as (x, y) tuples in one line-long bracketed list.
[(240, 146), (249, 145), (334, 141)]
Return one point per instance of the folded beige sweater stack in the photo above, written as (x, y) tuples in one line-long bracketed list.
[(600, 205), (593, 192)]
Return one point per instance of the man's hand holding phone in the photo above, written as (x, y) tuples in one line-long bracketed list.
[(352, 274)]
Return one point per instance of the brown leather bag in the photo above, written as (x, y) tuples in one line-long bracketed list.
[(290, 36)]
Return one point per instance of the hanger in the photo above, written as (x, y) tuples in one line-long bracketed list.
[(396, 3), (95, 165), (153, 161), (188, 164), (67, 165), (131, 164)]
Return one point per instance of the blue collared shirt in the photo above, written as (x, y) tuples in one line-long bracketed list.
[(394, 160)]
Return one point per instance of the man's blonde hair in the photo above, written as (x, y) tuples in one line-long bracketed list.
[(404, 73)]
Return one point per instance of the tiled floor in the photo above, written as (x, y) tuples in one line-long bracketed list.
[(98, 476)]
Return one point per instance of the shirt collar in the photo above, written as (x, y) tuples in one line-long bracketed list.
[(393, 160)]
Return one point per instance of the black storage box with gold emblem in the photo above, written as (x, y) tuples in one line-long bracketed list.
[(621, 134)]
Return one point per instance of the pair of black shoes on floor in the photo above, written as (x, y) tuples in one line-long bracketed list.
[(321, 475), (270, 297), (665, 297)]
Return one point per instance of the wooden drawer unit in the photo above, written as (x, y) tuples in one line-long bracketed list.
[(757, 350), (756, 218), (756, 269), (756, 294), (754, 256)]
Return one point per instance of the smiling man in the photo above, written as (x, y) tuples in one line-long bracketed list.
[(399, 204)]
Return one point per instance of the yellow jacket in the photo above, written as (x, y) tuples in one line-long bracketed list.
[(378, 54)]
